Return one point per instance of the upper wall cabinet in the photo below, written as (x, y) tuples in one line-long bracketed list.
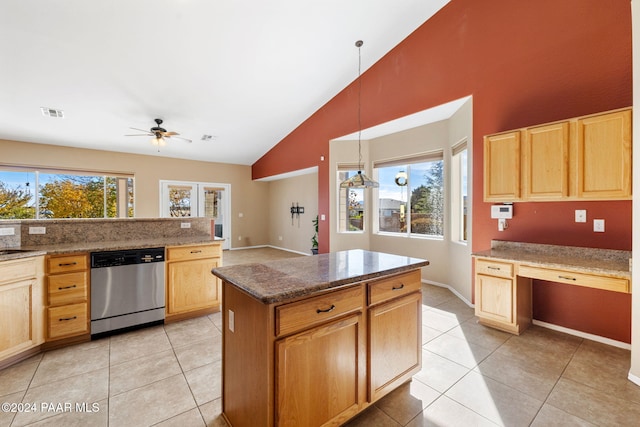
[(585, 158)]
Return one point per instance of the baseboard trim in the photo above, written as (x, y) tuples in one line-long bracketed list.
[(453, 290), (634, 379), (273, 247), (585, 335)]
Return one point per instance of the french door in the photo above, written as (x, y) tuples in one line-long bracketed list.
[(198, 199)]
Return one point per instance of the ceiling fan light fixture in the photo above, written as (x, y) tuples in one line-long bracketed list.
[(359, 180), (158, 141)]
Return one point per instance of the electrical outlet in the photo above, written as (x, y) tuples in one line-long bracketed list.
[(185, 225), (598, 225), (581, 215), (232, 321), (37, 230), (279, 237), (7, 231), (239, 237), (240, 215)]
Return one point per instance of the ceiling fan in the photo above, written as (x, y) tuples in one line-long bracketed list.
[(159, 134)]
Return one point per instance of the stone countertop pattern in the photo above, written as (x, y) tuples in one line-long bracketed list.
[(282, 280), (581, 260), (53, 249)]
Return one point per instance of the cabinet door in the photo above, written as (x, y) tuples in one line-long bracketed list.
[(545, 162), (494, 298), (318, 374), (603, 146), (394, 343), (192, 286), (16, 317), (502, 167)]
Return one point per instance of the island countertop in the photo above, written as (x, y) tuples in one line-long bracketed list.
[(281, 280)]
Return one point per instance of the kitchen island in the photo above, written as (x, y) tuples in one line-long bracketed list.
[(316, 340)]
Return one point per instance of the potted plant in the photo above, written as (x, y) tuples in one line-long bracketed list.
[(314, 239)]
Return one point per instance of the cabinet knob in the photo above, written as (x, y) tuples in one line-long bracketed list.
[(327, 310)]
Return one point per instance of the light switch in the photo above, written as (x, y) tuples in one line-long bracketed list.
[(598, 225), (581, 215)]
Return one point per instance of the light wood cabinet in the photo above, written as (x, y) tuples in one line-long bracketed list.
[(603, 153), (21, 303), (502, 300), (191, 288), (322, 359), (67, 296), (583, 158), (502, 167), (545, 162)]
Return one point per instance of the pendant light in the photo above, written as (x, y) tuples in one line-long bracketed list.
[(359, 180)]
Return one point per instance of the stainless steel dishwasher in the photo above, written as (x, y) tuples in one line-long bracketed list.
[(127, 289)]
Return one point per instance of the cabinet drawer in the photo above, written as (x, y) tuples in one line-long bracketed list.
[(179, 253), (494, 268), (393, 287), (581, 279), (67, 288), (67, 320), (66, 263), (14, 270), (301, 315)]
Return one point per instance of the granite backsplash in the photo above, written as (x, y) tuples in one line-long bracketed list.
[(64, 231)]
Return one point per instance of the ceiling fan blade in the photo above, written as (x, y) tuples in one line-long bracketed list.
[(171, 133), (139, 134), (184, 139), (142, 130)]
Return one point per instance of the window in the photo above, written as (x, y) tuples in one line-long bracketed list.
[(411, 195), (41, 194), (350, 203), (459, 199)]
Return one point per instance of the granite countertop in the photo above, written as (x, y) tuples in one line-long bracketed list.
[(52, 249), (581, 260), (282, 280)]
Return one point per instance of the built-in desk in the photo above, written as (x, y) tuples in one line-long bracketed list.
[(503, 277)]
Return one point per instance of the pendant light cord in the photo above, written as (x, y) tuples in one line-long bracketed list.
[(359, 45)]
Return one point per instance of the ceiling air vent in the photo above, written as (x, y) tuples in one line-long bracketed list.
[(52, 112), (207, 137)]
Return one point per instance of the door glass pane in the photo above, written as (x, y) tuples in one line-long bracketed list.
[(181, 201), (213, 197)]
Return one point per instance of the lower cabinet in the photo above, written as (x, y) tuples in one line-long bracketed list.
[(21, 306), (320, 360), (67, 296), (318, 374), (191, 288)]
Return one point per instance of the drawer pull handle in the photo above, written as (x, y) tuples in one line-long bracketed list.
[(397, 288), (493, 268), (67, 287), (67, 318), (566, 278), (327, 310), (67, 264), (196, 252)]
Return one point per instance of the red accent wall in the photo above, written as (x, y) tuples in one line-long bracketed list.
[(525, 63)]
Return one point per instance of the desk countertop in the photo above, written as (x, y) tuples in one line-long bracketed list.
[(584, 260), (281, 280)]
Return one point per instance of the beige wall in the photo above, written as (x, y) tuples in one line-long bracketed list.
[(247, 196), (283, 233), (450, 261)]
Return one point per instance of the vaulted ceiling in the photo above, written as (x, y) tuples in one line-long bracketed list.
[(244, 72)]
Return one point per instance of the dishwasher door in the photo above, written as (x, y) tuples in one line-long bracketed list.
[(126, 291)]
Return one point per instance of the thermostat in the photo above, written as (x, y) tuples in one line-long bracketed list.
[(502, 211)]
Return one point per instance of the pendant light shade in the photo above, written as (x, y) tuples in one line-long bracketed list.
[(359, 180)]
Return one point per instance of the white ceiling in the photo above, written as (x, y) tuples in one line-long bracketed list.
[(247, 72)]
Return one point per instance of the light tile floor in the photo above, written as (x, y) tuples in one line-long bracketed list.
[(472, 376)]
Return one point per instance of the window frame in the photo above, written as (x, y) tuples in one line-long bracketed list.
[(344, 167)]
